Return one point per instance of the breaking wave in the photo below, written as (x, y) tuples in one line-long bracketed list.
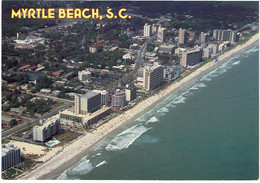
[(152, 120), (197, 86), (101, 163), (178, 100), (126, 138), (163, 110), (83, 167), (236, 63)]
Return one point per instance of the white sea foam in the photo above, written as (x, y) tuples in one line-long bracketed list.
[(63, 176), (101, 163), (197, 86), (205, 78), (170, 105), (187, 93), (83, 167), (163, 110), (142, 118), (178, 100), (98, 154), (236, 63), (152, 120), (126, 138)]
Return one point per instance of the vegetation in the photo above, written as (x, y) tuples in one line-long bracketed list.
[(18, 169), (39, 105), (66, 136)]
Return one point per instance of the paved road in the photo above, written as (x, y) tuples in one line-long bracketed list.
[(138, 62), (36, 121)]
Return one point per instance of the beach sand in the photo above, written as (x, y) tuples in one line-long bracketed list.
[(72, 152)]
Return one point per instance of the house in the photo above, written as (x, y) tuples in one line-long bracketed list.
[(17, 110), (7, 121), (97, 47), (58, 73)]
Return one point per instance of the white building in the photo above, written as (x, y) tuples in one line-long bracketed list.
[(152, 76), (10, 156), (130, 92), (87, 103), (45, 131), (192, 57), (104, 96), (161, 34), (84, 76), (147, 30)]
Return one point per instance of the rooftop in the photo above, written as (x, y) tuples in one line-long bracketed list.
[(90, 94), (47, 122)]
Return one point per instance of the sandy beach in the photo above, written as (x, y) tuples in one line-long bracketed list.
[(72, 152)]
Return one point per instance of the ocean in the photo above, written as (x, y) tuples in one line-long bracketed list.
[(207, 130)]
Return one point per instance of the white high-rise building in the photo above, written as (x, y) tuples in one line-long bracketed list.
[(45, 131), (84, 76), (87, 103), (152, 76), (10, 156), (190, 58), (161, 34), (104, 96), (147, 30)]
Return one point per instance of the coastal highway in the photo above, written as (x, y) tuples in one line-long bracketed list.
[(138, 62), (36, 121)]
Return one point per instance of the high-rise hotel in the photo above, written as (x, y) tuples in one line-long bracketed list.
[(152, 76)]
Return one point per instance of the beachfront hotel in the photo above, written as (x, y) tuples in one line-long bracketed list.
[(86, 111), (119, 98), (190, 58), (225, 35), (130, 92), (45, 131), (10, 156), (87, 103), (152, 76), (104, 96)]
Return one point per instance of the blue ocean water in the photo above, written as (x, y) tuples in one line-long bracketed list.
[(207, 130)]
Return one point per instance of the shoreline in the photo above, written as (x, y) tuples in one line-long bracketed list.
[(73, 151)]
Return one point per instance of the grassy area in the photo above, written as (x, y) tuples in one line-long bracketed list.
[(5, 140), (57, 105), (66, 136), (13, 172), (20, 133)]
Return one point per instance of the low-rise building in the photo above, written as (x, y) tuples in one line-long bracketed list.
[(17, 110), (71, 119), (6, 121), (167, 49)]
